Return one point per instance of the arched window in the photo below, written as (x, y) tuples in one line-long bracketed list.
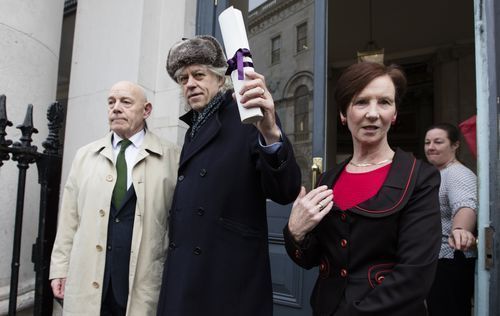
[(301, 108)]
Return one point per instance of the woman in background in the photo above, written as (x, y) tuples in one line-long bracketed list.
[(453, 288)]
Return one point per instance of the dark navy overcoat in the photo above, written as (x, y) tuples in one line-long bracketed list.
[(218, 260), (378, 257)]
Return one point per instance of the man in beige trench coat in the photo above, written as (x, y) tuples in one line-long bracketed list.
[(109, 251)]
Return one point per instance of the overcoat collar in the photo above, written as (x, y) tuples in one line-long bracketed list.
[(149, 145), (394, 192), (208, 132)]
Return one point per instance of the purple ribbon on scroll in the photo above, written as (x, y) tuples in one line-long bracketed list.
[(237, 62)]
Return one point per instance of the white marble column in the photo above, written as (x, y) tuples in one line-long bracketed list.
[(30, 33), (124, 40)]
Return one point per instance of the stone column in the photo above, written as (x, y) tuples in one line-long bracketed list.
[(30, 33), (124, 40)]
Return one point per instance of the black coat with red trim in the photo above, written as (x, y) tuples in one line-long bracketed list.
[(378, 257), (218, 259)]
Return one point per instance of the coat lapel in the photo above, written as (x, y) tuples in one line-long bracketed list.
[(396, 189), (104, 147), (150, 146), (394, 192), (207, 132), (329, 178)]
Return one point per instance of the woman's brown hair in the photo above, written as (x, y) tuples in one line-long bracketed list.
[(357, 76)]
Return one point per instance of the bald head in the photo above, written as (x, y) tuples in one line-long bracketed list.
[(133, 88), (128, 108)]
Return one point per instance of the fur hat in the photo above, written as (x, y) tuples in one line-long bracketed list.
[(202, 49)]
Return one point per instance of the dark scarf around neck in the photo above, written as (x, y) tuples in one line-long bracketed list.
[(200, 118)]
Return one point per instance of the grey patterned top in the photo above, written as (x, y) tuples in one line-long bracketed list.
[(458, 189)]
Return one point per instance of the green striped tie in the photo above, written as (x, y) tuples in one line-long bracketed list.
[(121, 174)]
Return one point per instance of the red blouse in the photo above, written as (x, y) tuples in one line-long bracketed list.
[(354, 188)]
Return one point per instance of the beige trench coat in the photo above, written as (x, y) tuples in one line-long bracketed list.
[(79, 250)]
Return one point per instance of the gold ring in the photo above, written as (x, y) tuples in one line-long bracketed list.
[(262, 91), (321, 206)]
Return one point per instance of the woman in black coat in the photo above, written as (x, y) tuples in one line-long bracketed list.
[(218, 261), (373, 224)]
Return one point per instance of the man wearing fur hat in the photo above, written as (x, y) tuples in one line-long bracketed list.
[(218, 260)]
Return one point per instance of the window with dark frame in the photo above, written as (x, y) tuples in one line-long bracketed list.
[(302, 37), (275, 49), (301, 109)]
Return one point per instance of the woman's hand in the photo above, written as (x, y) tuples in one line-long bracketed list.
[(308, 210), (464, 222), (461, 239)]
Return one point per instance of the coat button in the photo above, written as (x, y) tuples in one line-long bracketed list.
[(197, 251), (343, 216), (117, 220), (322, 267), (343, 243), (98, 248), (181, 177), (200, 211), (95, 285), (297, 253), (102, 213), (380, 278), (109, 178), (109, 248), (171, 245), (203, 172), (343, 273)]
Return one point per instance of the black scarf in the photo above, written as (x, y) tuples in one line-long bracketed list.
[(199, 118)]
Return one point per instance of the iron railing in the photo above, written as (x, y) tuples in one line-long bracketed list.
[(49, 164)]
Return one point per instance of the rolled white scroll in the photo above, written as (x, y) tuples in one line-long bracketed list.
[(235, 40)]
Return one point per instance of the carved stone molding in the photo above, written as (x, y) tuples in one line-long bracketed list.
[(273, 12)]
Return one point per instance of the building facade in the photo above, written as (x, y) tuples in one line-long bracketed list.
[(75, 52)]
